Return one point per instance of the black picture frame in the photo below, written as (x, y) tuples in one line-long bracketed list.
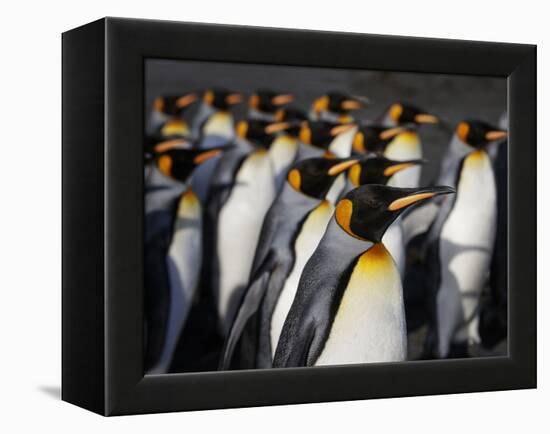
[(103, 93)]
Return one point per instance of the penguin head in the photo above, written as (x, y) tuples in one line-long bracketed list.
[(375, 138), (269, 101), (338, 102), (177, 159), (478, 134), (377, 170), (174, 105), (321, 133), (367, 211), (314, 176), (259, 132), (222, 99), (402, 114), (289, 121)]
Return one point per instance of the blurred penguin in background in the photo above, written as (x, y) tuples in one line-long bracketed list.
[(286, 144), (337, 107), (167, 120), (241, 192), (348, 306), (407, 144), (213, 125), (214, 121), (173, 232), (460, 246), (266, 104)]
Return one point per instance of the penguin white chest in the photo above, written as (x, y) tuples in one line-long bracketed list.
[(468, 235), (465, 249), (282, 152), (307, 241), (240, 223), (369, 325), (405, 146)]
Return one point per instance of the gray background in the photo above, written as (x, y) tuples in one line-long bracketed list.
[(451, 97)]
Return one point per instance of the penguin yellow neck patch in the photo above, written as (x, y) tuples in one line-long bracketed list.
[(476, 158), (376, 260)]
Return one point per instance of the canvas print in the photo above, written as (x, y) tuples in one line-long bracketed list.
[(298, 216)]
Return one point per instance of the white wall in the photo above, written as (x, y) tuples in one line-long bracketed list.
[(30, 181)]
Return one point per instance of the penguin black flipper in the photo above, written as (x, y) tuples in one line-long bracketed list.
[(240, 348)]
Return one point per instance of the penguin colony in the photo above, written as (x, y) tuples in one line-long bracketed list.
[(299, 237)]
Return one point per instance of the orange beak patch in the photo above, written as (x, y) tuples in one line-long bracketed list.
[(408, 200)]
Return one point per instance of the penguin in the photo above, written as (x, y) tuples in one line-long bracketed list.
[(241, 191), (348, 306), (493, 317), (173, 232), (291, 232), (459, 247), (212, 126), (283, 150), (316, 138), (214, 118), (406, 145), (374, 138), (298, 215), (266, 104), (167, 116), (336, 107)]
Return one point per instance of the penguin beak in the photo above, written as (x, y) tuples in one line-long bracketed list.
[(339, 129), (233, 98), (210, 153), (342, 167), (171, 144), (282, 99), (495, 135), (418, 195), (352, 104), (425, 118), (393, 169), (277, 127), (186, 100), (390, 133)]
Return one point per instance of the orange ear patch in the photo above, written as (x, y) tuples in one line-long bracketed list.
[(165, 165), (295, 179)]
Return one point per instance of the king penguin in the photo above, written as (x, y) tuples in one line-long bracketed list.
[(459, 247), (337, 107), (406, 145), (173, 232), (291, 232), (349, 304), (373, 139), (294, 223), (167, 119), (213, 125), (242, 190), (266, 104), (418, 221)]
